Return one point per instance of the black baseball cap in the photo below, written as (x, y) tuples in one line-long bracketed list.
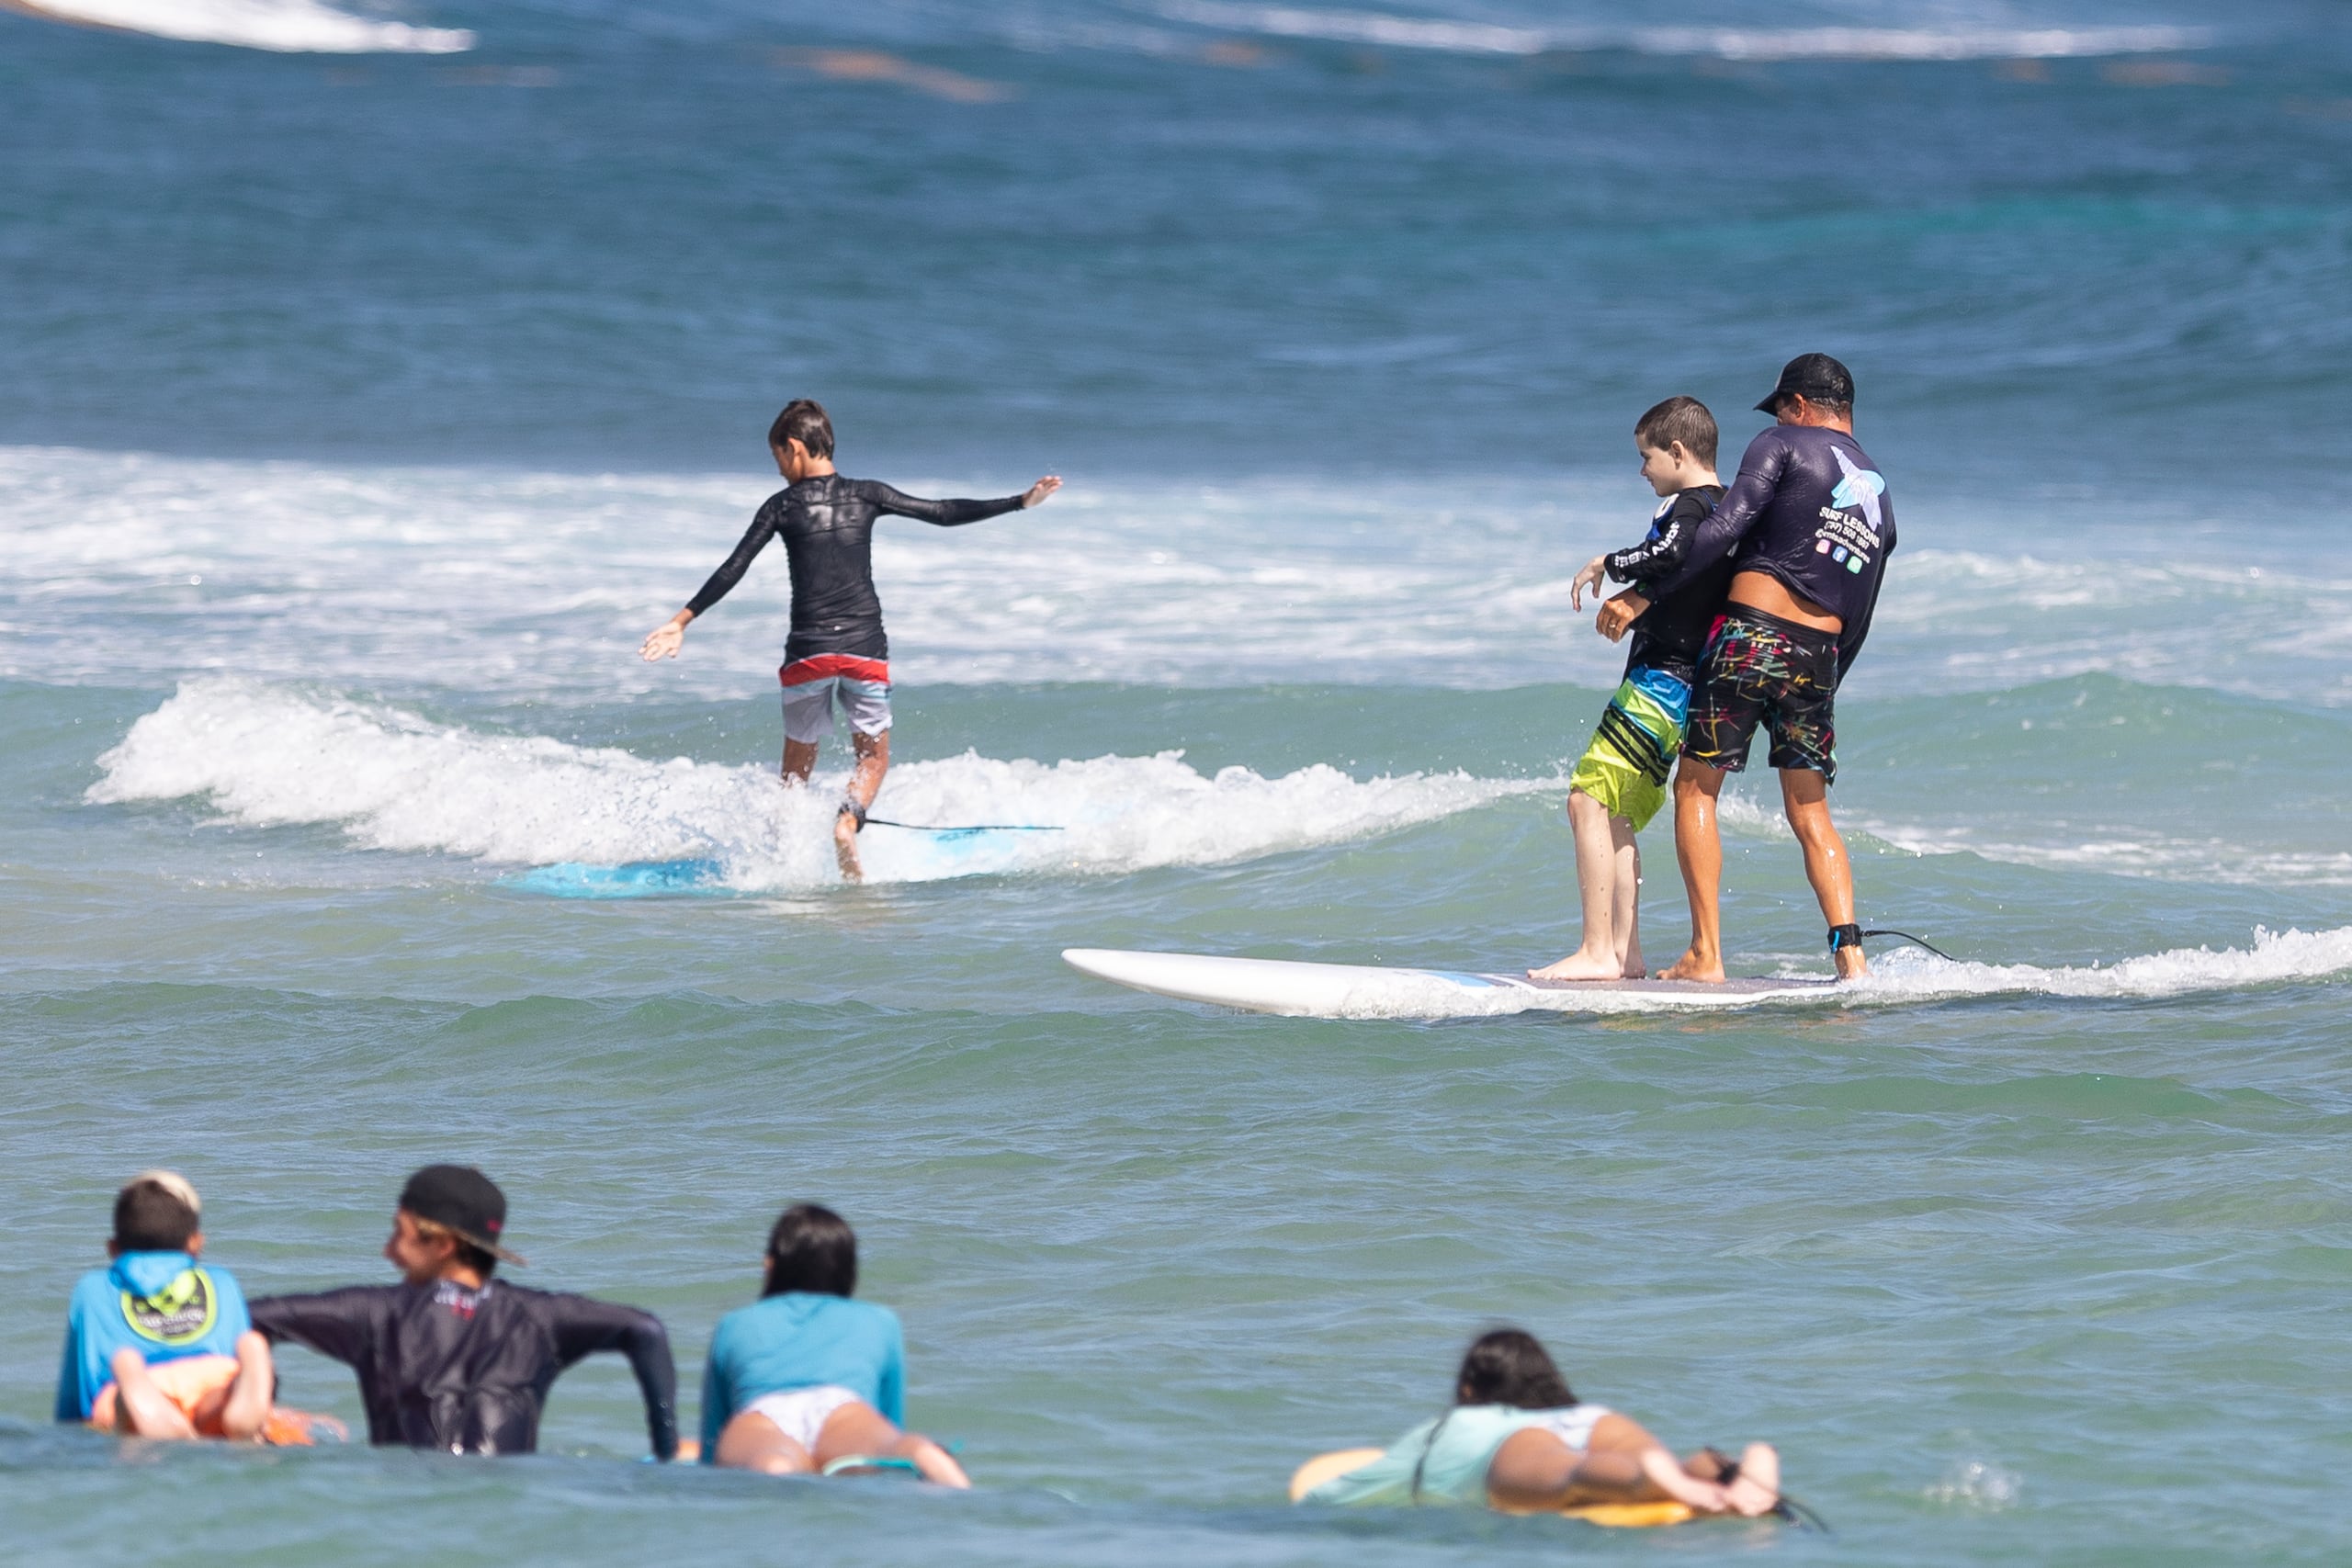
[(1815, 378), (462, 1200)]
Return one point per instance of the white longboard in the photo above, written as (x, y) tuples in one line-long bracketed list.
[(1358, 990)]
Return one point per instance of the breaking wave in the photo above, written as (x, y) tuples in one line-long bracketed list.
[(287, 27), (269, 756)]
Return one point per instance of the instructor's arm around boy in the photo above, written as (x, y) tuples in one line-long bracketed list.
[(1620, 783)]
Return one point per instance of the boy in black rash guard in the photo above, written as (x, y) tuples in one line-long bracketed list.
[(837, 651), (1807, 527), (1619, 781), (450, 1359)]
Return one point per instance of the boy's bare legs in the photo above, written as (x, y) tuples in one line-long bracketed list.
[(246, 1410), (1626, 907), (873, 754), (861, 1431), (1699, 849), (1805, 794), (1602, 842), (141, 1409)]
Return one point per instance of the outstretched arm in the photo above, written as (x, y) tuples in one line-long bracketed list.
[(584, 1326), (667, 639), (954, 513), (339, 1325)]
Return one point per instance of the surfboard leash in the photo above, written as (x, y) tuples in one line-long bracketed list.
[(973, 827), (1918, 941)]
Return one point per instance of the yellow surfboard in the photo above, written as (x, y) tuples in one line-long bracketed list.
[(1614, 1515)]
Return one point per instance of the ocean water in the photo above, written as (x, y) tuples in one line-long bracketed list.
[(372, 376)]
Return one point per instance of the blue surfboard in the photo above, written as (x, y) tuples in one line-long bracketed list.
[(635, 879)]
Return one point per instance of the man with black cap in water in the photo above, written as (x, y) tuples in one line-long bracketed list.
[(450, 1359), (1807, 527)]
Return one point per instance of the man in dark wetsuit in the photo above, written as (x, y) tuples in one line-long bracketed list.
[(836, 652), (452, 1360), (1807, 527)]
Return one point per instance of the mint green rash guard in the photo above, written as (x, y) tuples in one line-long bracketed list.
[(165, 1305), (799, 1340), (1452, 1452)]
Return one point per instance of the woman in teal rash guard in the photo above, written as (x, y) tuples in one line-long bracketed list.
[(805, 1379), (1518, 1440)]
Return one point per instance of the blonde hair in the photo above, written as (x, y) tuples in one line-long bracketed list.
[(172, 1182)]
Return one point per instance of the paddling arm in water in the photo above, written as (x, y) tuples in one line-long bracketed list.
[(837, 653)]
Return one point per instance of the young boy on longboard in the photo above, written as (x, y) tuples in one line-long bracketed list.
[(1620, 783), (837, 652)]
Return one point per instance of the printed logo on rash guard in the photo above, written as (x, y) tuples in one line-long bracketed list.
[(1859, 490), (180, 1314)]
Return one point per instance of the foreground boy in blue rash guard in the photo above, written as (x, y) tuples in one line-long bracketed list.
[(806, 1378), (153, 1305), (1620, 783)]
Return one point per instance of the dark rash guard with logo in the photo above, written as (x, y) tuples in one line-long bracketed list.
[(827, 525), (467, 1370), (1810, 508), (1672, 633)]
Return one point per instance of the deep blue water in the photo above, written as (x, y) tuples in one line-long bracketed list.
[(360, 412)]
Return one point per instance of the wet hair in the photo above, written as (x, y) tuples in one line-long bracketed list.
[(1678, 419), (803, 419), (1509, 1366), (149, 1216), (812, 1250), (482, 1263)]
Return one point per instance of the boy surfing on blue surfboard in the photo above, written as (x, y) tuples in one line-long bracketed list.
[(837, 652)]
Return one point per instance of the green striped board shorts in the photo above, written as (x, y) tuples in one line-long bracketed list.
[(1625, 766)]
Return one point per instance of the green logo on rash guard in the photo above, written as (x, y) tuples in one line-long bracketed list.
[(180, 1314)]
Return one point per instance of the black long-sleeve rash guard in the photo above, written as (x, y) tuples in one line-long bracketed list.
[(468, 1371), (1672, 632), (827, 524), (1811, 509)]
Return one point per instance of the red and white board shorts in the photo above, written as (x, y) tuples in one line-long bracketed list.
[(811, 687)]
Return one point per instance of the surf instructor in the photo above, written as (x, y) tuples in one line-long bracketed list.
[(837, 653), (1808, 527)]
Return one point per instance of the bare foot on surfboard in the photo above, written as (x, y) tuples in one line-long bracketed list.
[(1691, 966), (1579, 966)]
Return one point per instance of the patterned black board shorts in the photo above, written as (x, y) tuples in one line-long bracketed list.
[(1761, 669)]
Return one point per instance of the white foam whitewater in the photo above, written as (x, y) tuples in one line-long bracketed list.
[(1900, 978), (389, 779), (1388, 29), (287, 27)]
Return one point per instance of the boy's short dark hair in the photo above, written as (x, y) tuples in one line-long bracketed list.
[(150, 1217), (813, 1250), (803, 419), (1678, 419)]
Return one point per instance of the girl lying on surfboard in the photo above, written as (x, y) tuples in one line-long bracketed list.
[(1518, 1440), (806, 1379)]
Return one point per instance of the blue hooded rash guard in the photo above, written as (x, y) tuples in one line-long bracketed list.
[(165, 1305)]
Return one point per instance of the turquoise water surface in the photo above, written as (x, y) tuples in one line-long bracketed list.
[(363, 410)]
